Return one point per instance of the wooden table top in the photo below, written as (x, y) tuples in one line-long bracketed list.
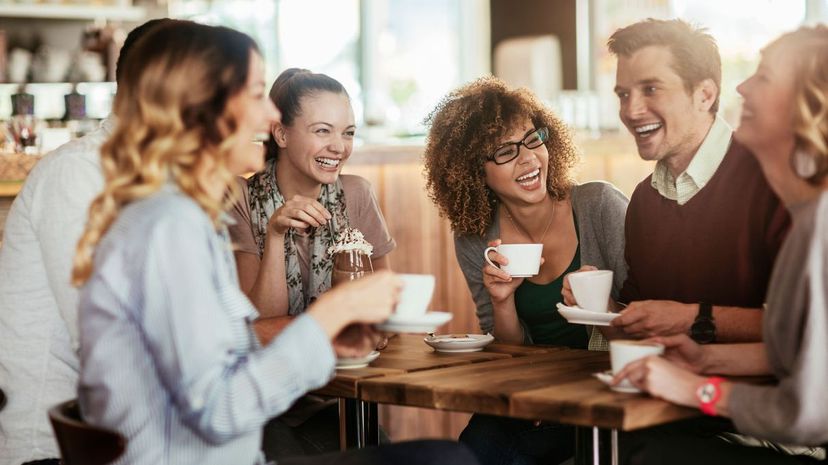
[(407, 353), (555, 386)]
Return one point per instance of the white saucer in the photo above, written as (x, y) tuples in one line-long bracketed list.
[(625, 386), (425, 323), (458, 342), (356, 362), (580, 316)]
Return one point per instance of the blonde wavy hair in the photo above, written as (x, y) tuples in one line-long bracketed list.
[(807, 48), (467, 126), (171, 123)]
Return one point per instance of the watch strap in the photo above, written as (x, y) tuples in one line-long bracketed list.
[(705, 311)]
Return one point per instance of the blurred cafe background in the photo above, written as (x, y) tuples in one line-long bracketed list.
[(396, 58)]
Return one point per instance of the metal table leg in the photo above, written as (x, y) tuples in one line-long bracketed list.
[(614, 447), (358, 424), (596, 443)]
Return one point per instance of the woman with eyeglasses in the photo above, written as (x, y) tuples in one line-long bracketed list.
[(498, 167)]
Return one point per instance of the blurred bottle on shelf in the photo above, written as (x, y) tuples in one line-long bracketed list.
[(75, 119), (23, 125)]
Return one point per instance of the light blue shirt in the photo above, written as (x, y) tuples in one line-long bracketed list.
[(168, 355)]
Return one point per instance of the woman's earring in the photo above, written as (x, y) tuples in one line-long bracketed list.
[(804, 164)]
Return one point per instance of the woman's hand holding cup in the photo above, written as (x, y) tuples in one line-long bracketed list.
[(367, 301), (500, 284)]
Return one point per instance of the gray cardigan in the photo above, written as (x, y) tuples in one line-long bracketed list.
[(795, 325), (599, 208)]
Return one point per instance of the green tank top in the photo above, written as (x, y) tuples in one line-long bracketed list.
[(537, 307)]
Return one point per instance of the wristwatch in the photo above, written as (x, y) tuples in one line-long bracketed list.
[(708, 394), (703, 329)]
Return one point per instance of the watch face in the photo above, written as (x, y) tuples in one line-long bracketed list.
[(706, 393), (703, 331)]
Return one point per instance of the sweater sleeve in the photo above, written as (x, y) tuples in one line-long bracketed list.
[(469, 251), (613, 210), (795, 410)]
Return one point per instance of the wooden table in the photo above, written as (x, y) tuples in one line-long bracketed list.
[(406, 353), (555, 386)]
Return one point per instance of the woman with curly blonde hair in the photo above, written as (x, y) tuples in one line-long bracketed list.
[(168, 355), (498, 165), (785, 124)]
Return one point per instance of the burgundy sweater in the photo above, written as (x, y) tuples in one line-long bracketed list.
[(719, 247)]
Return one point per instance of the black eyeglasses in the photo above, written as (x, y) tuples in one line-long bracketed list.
[(508, 152)]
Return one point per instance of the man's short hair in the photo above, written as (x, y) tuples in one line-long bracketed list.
[(133, 37), (695, 53)]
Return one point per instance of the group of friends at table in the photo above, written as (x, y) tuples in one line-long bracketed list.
[(183, 267)]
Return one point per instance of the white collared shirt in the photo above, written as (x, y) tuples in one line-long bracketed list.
[(701, 168), (38, 305)]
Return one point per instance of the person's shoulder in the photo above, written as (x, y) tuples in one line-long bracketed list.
[(596, 190), (168, 210), (83, 153), (597, 194), (354, 183)]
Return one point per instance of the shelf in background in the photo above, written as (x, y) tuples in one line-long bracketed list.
[(10, 188), (56, 11), (49, 98)]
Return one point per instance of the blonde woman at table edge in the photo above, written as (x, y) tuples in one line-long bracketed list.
[(785, 123), (168, 356), (498, 165)]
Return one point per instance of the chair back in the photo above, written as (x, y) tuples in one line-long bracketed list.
[(81, 443)]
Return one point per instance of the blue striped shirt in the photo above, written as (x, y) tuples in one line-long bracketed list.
[(168, 355)]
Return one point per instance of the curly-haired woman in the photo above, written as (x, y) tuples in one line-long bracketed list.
[(498, 166)]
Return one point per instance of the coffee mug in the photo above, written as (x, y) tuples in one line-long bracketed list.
[(591, 289), (624, 351), (524, 259), (415, 295)]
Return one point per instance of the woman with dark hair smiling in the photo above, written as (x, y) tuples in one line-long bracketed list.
[(292, 209)]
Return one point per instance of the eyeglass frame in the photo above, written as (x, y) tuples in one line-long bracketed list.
[(544, 136)]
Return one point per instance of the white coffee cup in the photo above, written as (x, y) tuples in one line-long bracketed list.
[(624, 351), (415, 295), (524, 259), (591, 289)]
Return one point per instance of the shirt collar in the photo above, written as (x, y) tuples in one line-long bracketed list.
[(701, 168), (108, 124)]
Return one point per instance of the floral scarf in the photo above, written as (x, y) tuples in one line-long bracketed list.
[(265, 199)]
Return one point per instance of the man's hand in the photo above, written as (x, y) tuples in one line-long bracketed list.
[(649, 318), (566, 291)]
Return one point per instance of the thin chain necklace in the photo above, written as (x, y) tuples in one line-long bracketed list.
[(525, 232)]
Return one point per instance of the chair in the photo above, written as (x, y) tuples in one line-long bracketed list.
[(81, 443)]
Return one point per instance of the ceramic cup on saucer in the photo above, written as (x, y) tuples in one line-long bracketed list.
[(524, 259), (591, 289), (415, 295), (623, 351)]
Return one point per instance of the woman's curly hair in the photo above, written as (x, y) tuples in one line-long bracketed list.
[(467, 126)]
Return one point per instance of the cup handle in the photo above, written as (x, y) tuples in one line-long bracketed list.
[(486, 256)]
